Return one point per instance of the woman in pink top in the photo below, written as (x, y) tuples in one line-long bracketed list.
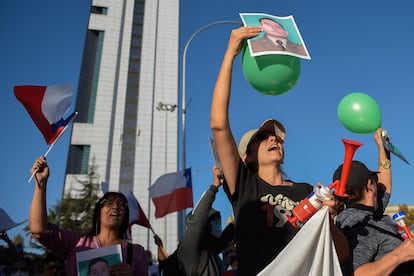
[(109, 226)]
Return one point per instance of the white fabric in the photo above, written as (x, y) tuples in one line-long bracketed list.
[(311, 252), (56, 101)]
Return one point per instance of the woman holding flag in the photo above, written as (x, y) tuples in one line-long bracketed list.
[(109, 227)]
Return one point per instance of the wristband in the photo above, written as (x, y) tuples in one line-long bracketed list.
[(386, 164)]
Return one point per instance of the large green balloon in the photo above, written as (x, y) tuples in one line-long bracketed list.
[(359, 113), (273, 74)]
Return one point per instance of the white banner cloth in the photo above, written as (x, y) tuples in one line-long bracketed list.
[(311, 252)]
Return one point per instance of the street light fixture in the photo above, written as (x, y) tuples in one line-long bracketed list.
[(166, 107)]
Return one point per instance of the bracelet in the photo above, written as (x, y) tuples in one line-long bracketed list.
[(386, 164)]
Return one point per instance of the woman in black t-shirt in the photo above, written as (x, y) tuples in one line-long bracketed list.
[(255, 185)]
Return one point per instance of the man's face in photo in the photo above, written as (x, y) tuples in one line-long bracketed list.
[(273, 28)]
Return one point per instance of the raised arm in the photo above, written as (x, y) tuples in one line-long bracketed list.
[(189, 251), (38, 211), (219, 119), (384, 163), (388, 263)]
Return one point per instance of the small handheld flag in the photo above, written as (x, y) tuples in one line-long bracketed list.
[(46, 106), (172, 192), (392, 148), (136, 214)]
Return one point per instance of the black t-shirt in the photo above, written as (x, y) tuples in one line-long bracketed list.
[(262, 229)]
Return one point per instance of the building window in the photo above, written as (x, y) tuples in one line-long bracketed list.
[(78, 159), (85, 159), (95, 77), (99, 10)]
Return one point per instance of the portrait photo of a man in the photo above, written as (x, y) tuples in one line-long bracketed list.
[(280, 35), (98, 261)]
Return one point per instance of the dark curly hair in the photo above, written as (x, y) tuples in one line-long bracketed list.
[(96, 220)]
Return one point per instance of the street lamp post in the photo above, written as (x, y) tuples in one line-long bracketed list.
[(167, 108), (181, 215)]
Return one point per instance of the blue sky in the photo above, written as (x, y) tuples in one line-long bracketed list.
[(356, 46)]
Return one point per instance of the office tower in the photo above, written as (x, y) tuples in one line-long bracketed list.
[(127, 99)]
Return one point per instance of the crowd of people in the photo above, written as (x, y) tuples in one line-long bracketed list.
[(366, 241), (14, 261), (261, 195), (199, 250)]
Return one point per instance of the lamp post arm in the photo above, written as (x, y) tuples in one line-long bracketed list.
[(181, 214), (183, 85)]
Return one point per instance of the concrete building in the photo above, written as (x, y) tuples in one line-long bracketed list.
[(127, 97)]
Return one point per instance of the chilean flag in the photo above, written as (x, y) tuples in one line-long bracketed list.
[(136, 214), (46, 106), (172, 192)]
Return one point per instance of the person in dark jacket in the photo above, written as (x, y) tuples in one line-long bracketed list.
[(199, 249)]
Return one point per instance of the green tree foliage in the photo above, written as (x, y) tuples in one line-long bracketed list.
[(18, 239), (76, 208), (409, 214)]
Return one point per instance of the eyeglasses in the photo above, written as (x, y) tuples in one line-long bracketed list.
[(112, 202), (265, 135)]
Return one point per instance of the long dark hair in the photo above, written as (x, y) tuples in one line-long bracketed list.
[(96, 221), (251, 156)]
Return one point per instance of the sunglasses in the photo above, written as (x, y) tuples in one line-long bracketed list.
[(265, 135)]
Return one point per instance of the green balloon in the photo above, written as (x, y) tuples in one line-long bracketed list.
[(359, 113), (273, 74)]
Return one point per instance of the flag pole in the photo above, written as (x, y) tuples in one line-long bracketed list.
[(54, 142)]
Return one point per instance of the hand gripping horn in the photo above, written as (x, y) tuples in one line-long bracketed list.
[(313, 202)]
